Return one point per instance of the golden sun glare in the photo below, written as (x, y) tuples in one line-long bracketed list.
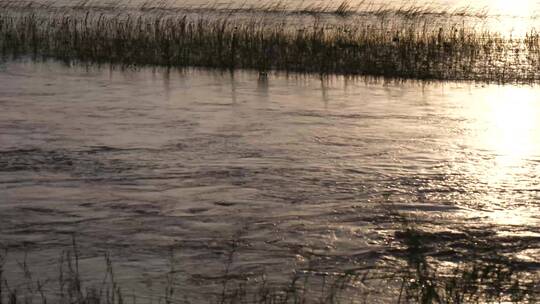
[(508, 129), (513, 17), (515, 8)]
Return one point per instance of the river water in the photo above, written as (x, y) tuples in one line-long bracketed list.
[(293, 167)]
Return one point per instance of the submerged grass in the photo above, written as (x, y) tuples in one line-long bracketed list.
[(486, 275), (483, 279), (409, 50)]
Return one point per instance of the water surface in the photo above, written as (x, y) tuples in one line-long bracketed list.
[(298, 168)]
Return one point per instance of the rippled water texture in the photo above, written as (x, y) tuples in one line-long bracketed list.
[(137, 161)]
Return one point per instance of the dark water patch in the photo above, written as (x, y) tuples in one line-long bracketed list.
[(46, 211), (225, 204), (197, 210), (76, 163)]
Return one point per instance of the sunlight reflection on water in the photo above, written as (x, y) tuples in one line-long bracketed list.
[(513, 217), (507, 123)]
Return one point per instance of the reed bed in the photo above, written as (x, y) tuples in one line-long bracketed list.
[(486, 278), (382, 48), (344, 8)]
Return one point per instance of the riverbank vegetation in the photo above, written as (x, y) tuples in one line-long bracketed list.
[(343, 8), (378, 47)]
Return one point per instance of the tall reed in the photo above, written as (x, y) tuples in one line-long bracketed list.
[(410, 50), (487, 277)]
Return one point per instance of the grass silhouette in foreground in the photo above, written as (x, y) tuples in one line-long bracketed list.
[(486, 275), (151, 36)]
